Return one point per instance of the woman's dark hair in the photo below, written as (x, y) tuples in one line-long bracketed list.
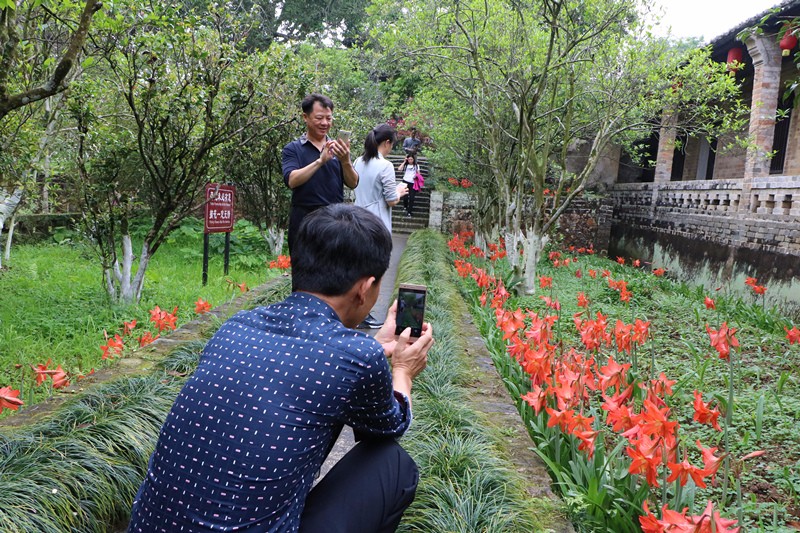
[(379, 134), (308, 102), (413, 157), (336, 246)]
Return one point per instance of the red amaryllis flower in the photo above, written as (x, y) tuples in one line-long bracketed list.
[(751, 281), (683, 471), (536, 398), (60, 379), (703, 414), (545, 282), (592, 273), (620, 260), (578, 273), (641, 331), (510, 322), (42, 373), (710, 304), (659, 271), (711, 520), (146, 339), (162, 319), (127, 327), (583, 301), (711, 462), (282, 262), (613, 374), (723, 339), (201, 306), (9, 399), (637, 263), (793, 335), (551, 303), (759, 289), (112, 347)]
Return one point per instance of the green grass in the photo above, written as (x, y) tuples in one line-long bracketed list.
[(54, 305)]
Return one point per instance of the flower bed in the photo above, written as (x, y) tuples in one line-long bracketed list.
[(656, 406)]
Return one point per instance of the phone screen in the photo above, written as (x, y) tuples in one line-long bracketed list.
[(344, 135), (410, 309)]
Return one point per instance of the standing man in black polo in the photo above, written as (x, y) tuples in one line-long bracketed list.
[(316, 167)]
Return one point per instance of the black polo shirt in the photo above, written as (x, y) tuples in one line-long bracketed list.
[(325, 187)]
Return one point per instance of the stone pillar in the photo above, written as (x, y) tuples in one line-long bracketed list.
[(766, 56), (666, 147)]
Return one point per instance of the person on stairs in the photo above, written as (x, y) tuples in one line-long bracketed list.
[(410, 168), (377, 189)]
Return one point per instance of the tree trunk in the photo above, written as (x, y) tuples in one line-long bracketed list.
[(9, 238), (274, 238), (8, 206), (533, 245)]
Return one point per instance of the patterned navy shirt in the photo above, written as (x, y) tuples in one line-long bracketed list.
[(249, 431)]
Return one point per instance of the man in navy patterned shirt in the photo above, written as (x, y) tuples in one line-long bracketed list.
[(248, 433)]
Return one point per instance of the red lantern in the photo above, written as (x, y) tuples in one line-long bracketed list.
[(788, 42), (735, 55)]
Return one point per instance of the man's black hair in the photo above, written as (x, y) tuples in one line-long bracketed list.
[(336, 246), (308, 102)]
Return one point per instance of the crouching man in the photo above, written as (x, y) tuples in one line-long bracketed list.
[(241, 446)]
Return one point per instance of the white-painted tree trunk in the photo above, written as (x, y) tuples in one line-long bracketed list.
[(8, 206), (10, 238), (274, 238), (533, 244), (121, 284)]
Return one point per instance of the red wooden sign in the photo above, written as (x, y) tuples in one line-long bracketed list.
[(219, 208)]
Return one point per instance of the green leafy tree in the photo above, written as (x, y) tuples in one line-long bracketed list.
[(174, 88), (537, 77)]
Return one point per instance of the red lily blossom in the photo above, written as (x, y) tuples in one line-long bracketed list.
[(637, 263), (613, 374), (128, 327), (622, 335), (792, 335), (551, 303), (655, 421), (641, 331), (683, 471), (711, 462), (545, 282), (536, 398), (510, 322), (645, 457), (711, 521), (620, 260), (60, 379), (9, 399), (592, 273), (583, 301), (659, 272), (162, 319), (751, 281), (710, 304), (146, 339), (723, 339), (42, 373), (114, 346), (605, 273), (283, 262), (201, 306), (703, 414)]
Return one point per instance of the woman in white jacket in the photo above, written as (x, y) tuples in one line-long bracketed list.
[(377, 189)]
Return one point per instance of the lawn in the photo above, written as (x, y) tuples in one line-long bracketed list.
[(55, 308)]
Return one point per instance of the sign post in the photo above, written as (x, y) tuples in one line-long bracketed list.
[(218, 219)]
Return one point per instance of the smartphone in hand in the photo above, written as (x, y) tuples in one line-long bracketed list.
[(410, 308), (344, 136)]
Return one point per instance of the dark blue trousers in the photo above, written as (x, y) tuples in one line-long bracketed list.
[(367, 491)]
